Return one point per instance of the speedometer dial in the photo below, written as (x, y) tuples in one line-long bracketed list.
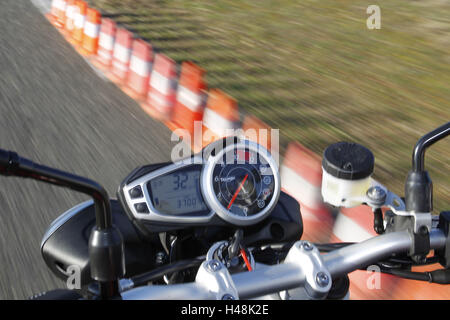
[(241, 183), (245, 187)]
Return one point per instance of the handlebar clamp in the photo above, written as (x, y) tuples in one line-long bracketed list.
[(215, 276), (420, 245), (308, 258)]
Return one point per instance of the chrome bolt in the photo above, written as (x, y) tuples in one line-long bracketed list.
[(307, 246), (322, 279), (228, 297), (376, 194), (214, 265)]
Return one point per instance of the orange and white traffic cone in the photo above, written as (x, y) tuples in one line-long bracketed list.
[(105, 50), (51, 16), (91, 32), (190, 99), (79, 20), (121, 56), (69, 24), (301, 177), (57, 13), (220, 118), (356, 225), (161, 94), (140, 68), (61, 17)]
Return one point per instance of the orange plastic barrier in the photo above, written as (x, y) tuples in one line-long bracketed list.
[(220, 118), (161, 94), (91, 32), (80, 17), (356, 225), (105, 44), (121, 55), (140, 68), (190, 98), (301, 177)]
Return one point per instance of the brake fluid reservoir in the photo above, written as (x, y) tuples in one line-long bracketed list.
[(346, 168)]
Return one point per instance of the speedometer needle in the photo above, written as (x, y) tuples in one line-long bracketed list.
[(237, 191)]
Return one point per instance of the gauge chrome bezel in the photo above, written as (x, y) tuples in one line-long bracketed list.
[(213, 202)]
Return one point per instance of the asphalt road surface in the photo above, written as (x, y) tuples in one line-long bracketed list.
[(55, 110)]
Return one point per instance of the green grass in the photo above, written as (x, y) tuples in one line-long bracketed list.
[(313, 69)]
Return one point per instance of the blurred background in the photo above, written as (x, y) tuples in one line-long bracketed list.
[(315, 71), (310, 68)]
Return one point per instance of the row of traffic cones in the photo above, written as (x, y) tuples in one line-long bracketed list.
[(177, 96)]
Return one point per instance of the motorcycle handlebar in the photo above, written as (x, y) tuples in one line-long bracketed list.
[(352, 257), (285, 276)]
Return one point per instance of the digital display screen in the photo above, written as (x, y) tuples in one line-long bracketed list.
[(177, 193)]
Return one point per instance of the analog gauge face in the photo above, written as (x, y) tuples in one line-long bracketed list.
[(244, 184)]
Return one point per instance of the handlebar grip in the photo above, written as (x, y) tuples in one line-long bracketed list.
[(11, 163), (6, 163)]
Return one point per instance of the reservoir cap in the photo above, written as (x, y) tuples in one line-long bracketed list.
[(348, 161)]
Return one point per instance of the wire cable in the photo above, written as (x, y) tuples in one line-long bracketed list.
[(158, 273)]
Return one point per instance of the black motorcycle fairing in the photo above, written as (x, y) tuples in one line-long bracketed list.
[(284, 225), (68, 245)]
